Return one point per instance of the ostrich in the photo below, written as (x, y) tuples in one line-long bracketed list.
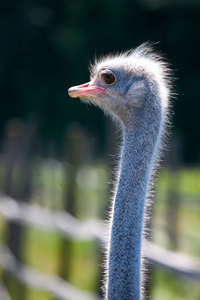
[(133, 88)]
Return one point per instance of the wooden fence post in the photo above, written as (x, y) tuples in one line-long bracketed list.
[(18, 150), (74, 140), (172, 197), (78, 150)]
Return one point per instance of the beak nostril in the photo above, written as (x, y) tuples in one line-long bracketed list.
[(84, 85)]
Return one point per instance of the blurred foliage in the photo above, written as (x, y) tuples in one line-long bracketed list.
[(47, 45)]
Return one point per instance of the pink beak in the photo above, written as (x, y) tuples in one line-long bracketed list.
[(86, 89)]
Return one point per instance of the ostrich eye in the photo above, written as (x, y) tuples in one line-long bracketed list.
[(108, 77)]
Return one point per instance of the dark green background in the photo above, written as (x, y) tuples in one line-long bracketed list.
[(46, 45)]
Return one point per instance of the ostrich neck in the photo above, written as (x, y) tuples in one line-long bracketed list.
[(124, 257)]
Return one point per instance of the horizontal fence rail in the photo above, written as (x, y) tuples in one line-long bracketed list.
[(70, 227), (44, 218), (4, 293), (180, 263), (56, 286)]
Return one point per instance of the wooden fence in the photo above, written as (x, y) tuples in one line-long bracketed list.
[(18, 152), (70, 227)]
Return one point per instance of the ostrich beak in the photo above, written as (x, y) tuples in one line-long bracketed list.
[(86, 89)]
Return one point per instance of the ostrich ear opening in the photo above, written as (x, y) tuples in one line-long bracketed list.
[(136, 93)]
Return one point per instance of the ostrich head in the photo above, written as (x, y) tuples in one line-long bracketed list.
[(122, 83)]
